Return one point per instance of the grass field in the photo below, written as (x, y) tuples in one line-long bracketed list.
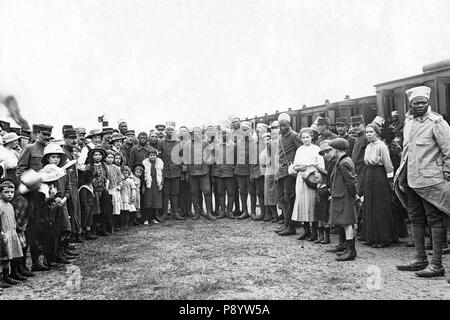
[(225, 259)]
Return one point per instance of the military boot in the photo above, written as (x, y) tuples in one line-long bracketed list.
[(341, 246), (349, 253), (326, 238)]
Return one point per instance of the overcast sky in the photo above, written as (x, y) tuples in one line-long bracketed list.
[(197, 61)]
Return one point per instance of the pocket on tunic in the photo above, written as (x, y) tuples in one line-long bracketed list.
[(431, 173), (424, 141)]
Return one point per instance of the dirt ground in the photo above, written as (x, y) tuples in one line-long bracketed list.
[(226, 259)]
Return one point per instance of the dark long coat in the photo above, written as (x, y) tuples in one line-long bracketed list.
[(343, 192)]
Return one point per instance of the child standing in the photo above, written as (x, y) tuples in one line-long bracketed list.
[(54, 154), (307, 157), (10, 245), (344, 197), (152, 198), (128, 197), (114, 186), (138, 170), (103, 203), (266, 160), (317, 181), (87, 203)]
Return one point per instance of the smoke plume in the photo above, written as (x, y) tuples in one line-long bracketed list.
[(11, 104)]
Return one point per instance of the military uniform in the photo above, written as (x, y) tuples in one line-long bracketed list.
[(171, 173), (30, 158), (420, 182), (198, 169)]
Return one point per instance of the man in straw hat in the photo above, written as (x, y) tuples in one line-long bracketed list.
[(422, 181), (288, 144), (106, 138), (9, 157), (95, 137)]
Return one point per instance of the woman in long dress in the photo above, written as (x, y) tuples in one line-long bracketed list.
[(379, 221), (307, 158)]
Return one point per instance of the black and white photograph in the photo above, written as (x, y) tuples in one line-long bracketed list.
[(235, 152)]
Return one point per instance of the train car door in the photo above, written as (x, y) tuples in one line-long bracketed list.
[(443, 96)]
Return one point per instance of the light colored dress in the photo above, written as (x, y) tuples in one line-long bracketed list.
[(126, 194), (13, 246), (137, 201), (115, 183), (304, 196)]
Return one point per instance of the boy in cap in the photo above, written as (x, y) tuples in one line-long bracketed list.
[(422, 182), (343, 197)]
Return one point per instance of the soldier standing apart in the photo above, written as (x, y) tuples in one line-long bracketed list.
[(289, 143), (422, 181), (171, 155)]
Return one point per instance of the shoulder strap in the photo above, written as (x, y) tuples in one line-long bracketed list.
[(284, 152)]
